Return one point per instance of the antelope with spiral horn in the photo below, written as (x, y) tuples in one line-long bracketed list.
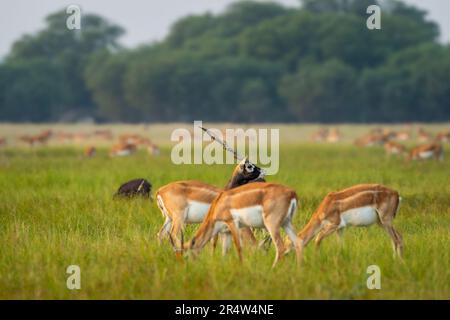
[(187, 202)]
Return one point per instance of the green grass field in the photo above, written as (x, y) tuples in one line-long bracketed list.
[(56, 210)]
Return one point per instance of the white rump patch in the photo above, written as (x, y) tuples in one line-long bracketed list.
[(359, 217), (248, 217), (196, 211)]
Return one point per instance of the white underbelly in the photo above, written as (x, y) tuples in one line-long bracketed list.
[(426, 154), (359, 217), (196, 211), (221, 227), (249, 217)]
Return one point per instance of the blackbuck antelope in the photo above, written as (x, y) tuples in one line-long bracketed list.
[(360, 205), (403, 135), (41, 138), (371, 139), (320, 135), (122, 149), (188, 202), (423, 136), (90, 152), (427, 151), (133, 188), (334, 135), (255, 205), (394, 148), (443, 136)]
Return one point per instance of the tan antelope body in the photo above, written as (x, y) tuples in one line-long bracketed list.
[(90, 152), (371, 139), (255, 205), (443, 136), (122, 149), (334, 136), (188, 202), (423, 136), (41, 138), (394, 148), (360, 205), (427, 151)]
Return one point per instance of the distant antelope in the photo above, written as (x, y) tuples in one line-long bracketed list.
[(394, 148), (334, 135), (360, 205), (371, 139), (255, 205), (188, 202), (443, 136), (131, 138), (320, 136), (427, 151), (90, 152), (423, 136), (41, 138), (403, 135), (2, 142), (123, 149), (153, 149)]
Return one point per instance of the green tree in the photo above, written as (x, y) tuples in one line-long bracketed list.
[(68, 51), (321, 92)]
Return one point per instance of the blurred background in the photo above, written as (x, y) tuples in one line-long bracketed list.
[(308, 61)]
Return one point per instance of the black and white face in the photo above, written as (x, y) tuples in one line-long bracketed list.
[(251, 172)]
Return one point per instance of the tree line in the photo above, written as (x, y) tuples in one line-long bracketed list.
[(255, 62)]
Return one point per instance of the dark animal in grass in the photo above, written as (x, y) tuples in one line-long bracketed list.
[(134, 188)]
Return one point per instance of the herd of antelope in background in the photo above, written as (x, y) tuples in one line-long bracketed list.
[(430, 146), (123, 145)]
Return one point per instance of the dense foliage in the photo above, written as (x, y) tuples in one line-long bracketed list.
[(255, 62)]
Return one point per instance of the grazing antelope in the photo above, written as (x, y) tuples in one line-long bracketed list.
[(334, 135), (131, 138), (2, 142), (443, 136), (122, 149), (41, 138), (394, 148), (320, 135), (153, 149), (361, 205), (403, 135), (90, 152), (371, 139), (427, 151), (423, 136), (188, 202), (255, 205), (133, 188)]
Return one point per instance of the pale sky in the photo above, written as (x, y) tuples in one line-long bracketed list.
[(146, 20)]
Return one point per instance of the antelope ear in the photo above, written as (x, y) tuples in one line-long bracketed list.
[(244, 161)]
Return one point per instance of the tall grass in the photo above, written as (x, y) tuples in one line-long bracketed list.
[(56, 209)]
